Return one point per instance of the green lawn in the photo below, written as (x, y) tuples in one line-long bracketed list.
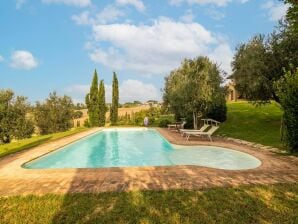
[(35, 141), (249, 204), (256, 124)]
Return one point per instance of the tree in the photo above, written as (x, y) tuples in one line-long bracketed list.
[(115, 101), (287, 90), (54, 115), (250, 71), (192, 89), (92, 102), (292, 14), (14, 121), (262, 61), (102, 104)]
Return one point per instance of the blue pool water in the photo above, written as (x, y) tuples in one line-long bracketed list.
[(139, 147)]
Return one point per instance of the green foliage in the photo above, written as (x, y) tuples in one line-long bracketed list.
[(77, 114), (153, 113), (218, 110), (262, 61), (13, 120), (86, 123), (191, 90), (102, 104), (292, 15), (92, 102), (164, 120), (287, 90), (250, 71), (54, 115), (80, 106), (115, 100)]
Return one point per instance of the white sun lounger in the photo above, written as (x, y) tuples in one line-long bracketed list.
[(201, 133), (203, 128)]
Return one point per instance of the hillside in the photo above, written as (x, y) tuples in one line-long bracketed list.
[(256, 124)]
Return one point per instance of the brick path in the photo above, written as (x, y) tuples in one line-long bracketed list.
[(15, 180)]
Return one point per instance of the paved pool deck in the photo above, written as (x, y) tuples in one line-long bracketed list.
[(15, 180)]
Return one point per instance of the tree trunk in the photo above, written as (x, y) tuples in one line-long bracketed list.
[(195, 120)]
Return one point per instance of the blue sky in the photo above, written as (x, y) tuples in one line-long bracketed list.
[(48, 45)]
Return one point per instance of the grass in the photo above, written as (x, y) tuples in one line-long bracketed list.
[(256, 124), (246, 204), (20, 145)]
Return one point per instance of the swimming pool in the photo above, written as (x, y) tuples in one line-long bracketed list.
[(130, 147)]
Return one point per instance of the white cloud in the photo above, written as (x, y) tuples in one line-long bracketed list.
[(136, 90), (215, 14), (20, 3), (109, 14), (82, 18), (157, 48), (244, 1), (187, 17), (223, 55), (1, 58), (276, 10), (23, 60), (138, 4), (129, 90), (79, 3), (218, 3)]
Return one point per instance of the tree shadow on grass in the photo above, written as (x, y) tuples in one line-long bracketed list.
[(247, 204)]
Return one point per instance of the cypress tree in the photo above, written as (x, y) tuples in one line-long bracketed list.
[(102, 104), (93, 101), (115, 101)]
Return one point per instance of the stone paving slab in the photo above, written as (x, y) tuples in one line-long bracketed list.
[(15, 180)]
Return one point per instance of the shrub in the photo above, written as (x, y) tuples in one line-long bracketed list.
[(218, 112), (164, 120), (287, 90), (77, 114), (86, 123), (54, 115)]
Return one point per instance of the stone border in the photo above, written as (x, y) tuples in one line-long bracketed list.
[(16, 180)]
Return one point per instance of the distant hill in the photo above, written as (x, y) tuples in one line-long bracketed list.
[(121, 112)]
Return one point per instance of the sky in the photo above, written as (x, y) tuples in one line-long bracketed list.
[(55, 45)]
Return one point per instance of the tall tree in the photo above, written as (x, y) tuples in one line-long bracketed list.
[(115, 100), (193, 88), (102, 104), (251, 71), (92, 102), (262, 61)]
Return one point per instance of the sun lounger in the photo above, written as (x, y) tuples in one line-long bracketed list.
[(203, 128), (202, 133)]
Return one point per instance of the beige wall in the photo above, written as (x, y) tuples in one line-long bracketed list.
[(232, 94)]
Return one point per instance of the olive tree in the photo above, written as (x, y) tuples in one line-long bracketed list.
[(192, 89), (14, 119)]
